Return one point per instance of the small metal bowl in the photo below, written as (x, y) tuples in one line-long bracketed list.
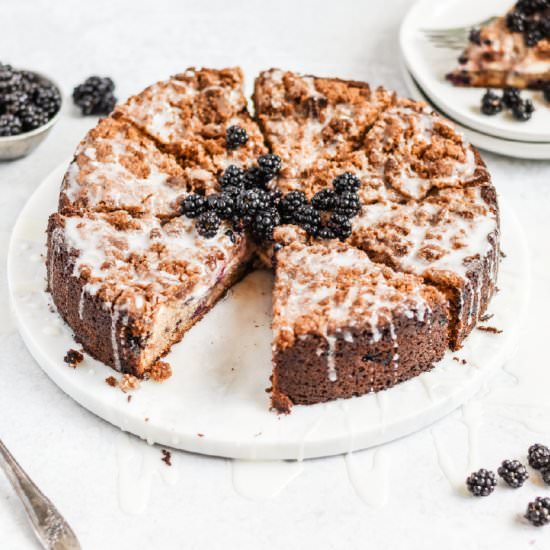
[(14, 147)]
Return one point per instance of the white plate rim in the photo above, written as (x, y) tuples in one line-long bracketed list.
[(312, 439)]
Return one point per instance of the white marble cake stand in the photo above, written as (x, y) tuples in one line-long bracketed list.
[(215, 403)]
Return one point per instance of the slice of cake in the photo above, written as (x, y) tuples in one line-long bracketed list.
[(451, 239), (131, 287), (117, 167), (346, 326), (513, 50), (311, 122), (191, 116)]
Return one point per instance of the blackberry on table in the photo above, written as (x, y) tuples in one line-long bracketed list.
[(95, 96), (347, 204), (223, 204), (32, 117), (235, 136), (290, 203), (513, 472), (491, 103), (538, 456), (207, 224), (481, 483), (538, 512), (194, 205), (233, 175), (10, 125), (346, 182), (545, 474), (270, 165)]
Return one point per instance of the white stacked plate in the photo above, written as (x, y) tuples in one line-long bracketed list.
[(424, 68)]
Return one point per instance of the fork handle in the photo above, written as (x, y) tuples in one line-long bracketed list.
[(53, 532)]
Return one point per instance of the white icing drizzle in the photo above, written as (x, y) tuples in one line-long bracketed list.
[(114, 341), (331, 358)]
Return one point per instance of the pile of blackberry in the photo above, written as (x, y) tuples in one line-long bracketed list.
[(95, 96), (247, 202), (530, 18), (492, 103), (483, 482), (27, 101)]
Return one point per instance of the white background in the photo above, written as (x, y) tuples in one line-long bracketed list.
[(76, 458)]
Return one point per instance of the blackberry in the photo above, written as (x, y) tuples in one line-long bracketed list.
[(491, 103), (6, 75), (324, 200), (538, 456), (523, 111), (254, 178), (545, 474), (340, 225), (207, 224), (475, 37), (308, 219), (270, 165), (513, 472), (532, 38), (10, 125), (250, 202), (515, 21), (15, 102), (481, 483), (48, 98), (95, 96), (264, 223), (347, 204), (346, 182), (223, 204), (233, 175), (510, 97), (235, 136), (326, 233), (290, 203), (538, 512), (194, 205), (32, 117)]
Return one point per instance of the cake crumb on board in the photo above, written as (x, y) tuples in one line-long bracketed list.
[(166, 457), (73, 358)]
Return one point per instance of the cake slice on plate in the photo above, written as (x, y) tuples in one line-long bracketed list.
[(513, 50), (131, 287), (344, 326), (193, 116)]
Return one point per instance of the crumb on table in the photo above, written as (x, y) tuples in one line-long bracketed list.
[(73, 357)]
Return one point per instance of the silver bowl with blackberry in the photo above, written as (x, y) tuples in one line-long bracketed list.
[(30, 104)]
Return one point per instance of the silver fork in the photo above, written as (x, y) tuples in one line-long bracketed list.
[(454, 38), (53, 532)]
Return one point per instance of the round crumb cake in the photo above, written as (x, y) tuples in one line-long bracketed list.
[(130, 274)]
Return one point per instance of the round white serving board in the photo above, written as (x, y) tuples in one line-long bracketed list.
[(429, 65), (215, 403), (509, 148)]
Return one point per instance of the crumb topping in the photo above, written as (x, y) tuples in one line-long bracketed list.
[(326, 288)]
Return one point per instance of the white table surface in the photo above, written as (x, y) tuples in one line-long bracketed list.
[(92, 471)]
